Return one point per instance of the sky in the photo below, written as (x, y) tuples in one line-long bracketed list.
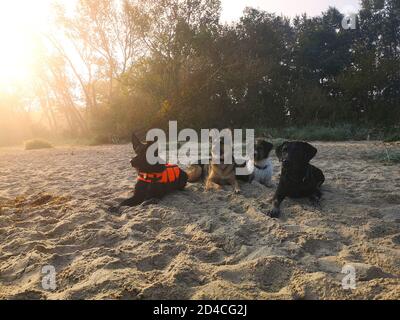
[(232, 9)]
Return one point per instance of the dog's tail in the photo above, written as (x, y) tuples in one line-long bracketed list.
[(194, 172)]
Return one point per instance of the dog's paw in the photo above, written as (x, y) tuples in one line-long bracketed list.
[(152, 201), (316, 202), (257, 184), (270, 185), (317, 205), (274, 213), (211, 186)]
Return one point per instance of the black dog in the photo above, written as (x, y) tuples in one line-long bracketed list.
[(154, 180), (299, 178)]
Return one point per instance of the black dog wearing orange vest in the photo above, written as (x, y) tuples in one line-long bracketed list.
[(154, 181)]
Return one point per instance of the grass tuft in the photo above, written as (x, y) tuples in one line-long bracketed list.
[(387, 157)]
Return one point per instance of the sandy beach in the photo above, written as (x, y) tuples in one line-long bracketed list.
[(193, 244)]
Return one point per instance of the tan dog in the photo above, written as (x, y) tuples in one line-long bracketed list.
[(217, 173)]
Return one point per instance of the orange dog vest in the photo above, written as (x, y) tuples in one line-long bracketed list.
[(169, 175)]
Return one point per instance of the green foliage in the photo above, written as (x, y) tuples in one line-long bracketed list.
[(393, 138), (37, 144), (388, 157), (308, 75), (315, 133), (318, 133), (277, 142)]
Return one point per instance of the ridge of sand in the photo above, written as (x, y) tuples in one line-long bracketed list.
[(194, 245)]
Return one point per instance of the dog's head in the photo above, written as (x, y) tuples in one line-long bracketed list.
[(295, 154), (262, 149), (140, 161), (222, 149)]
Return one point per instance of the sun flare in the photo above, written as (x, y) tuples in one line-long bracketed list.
[(20, 22)]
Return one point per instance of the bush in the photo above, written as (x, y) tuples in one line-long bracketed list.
[(320, 133), (99, 140), (393, 138), (317, 133), (388, 157), (37, 144)]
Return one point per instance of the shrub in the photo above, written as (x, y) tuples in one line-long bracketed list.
[(317, 133), (37, 144), (388, 157), (393, 138), (99, 140), (320, 133)]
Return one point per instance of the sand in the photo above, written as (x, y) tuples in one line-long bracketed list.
[(193, 244)]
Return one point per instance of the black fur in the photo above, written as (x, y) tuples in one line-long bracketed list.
[(144, 190), (298, 177), (262, 149)]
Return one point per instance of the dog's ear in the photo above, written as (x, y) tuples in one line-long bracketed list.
[(278, 150), (309, 151), (136, 143), (153, 146), (268, 147)]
